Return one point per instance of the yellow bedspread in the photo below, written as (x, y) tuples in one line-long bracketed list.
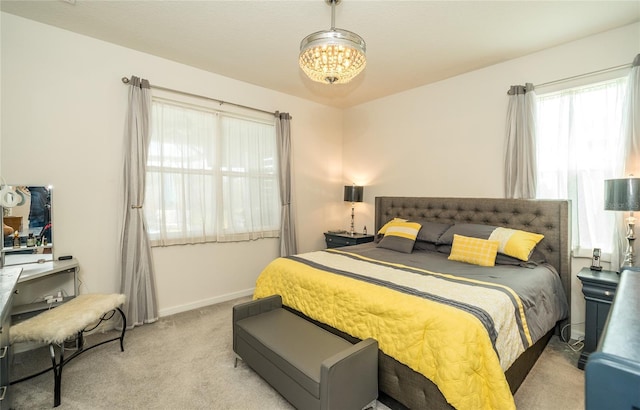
[(449, 346)]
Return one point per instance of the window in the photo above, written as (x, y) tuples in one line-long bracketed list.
[(578, 136), (212, 176)]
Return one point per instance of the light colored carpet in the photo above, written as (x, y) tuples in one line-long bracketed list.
[(186, 361), (555, 382)]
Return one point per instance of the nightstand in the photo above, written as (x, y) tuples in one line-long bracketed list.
[(336, 240), (598, 288)]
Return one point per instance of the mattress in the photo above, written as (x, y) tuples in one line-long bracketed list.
[(459, 325)]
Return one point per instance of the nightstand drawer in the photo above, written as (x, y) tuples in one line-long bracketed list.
[(599, 293), (341, 241), (336, 240)]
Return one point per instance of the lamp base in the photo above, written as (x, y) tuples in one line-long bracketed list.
[(353, 230), (629, 258)]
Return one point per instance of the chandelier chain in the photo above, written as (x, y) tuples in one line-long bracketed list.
[(333, 15)]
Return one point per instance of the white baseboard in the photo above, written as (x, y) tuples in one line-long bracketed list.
[(205, 302)]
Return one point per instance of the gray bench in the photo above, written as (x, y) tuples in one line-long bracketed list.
[(309, 366)]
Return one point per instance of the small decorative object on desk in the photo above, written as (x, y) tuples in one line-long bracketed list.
[(364, 231), (31, 240)]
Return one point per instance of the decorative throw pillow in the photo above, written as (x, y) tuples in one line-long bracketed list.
[(382, 230), (400, 236), (516, 243), (473, 250)]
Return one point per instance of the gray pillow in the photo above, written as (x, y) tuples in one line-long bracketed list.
[(424, 246), (464, 229), (431, 231)]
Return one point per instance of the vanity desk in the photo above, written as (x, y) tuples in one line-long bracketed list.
[(44, 279), (9, 277)]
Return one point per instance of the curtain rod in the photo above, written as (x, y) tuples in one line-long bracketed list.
[(575, 77), (126, 80)]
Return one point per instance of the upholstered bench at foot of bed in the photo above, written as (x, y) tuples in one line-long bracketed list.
[(70, 320), (310, 367)]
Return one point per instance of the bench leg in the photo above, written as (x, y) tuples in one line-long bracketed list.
[(57, 373), (56, 366), (124, 328)]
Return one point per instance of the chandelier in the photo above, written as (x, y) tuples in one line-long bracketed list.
[(332, 56)]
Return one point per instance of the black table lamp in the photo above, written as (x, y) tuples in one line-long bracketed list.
[(353, 194), (624, 195)]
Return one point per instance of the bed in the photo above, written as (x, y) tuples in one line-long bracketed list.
[(439, 350)]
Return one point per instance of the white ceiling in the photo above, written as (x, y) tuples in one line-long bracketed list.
[(409, 43)]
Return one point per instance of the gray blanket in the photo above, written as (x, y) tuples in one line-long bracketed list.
[(539, 287)]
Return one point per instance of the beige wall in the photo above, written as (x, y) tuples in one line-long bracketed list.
[(447, 138), (63, 110), (62, 121)]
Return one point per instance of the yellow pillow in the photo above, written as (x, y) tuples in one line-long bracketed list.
[(474, 250), (385, 226), (516, 243)]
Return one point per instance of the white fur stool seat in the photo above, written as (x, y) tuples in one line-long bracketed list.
[(59, 324), (70, 320)]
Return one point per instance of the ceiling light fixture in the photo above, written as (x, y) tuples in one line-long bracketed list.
[(332, 56)]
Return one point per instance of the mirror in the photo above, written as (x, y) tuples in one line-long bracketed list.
[(27, 228)]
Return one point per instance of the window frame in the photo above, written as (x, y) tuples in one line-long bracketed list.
[(593, 81), (218, 174)]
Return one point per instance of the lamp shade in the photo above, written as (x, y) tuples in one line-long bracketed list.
[(622, 194), (353, 193)]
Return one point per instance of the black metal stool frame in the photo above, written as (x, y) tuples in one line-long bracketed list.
[(57, 363)]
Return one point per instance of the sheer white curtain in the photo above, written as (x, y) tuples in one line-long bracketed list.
[(579, 132), (212, 176), (520, 156)]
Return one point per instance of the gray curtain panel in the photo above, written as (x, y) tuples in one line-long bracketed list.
[(138, 277), (630, 153), (520, 156), (288, 241)]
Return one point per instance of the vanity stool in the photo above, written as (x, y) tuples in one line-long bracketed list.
[(70, 320)]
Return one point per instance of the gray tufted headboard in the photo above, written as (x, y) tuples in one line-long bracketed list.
[(550, 218)]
